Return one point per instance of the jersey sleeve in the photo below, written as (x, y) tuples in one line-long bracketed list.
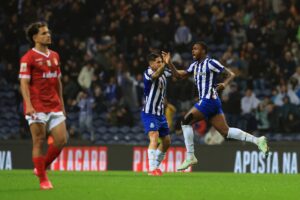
[(215, 66), (190, 69), (148, 74), (168, 72), (25, 67)]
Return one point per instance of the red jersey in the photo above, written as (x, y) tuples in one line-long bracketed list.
[(43, 70)]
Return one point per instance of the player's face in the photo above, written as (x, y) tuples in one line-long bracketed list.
[(157, 63), (43, 36), (197, 52)]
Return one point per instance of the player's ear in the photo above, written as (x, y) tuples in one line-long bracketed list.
[(34, 37)]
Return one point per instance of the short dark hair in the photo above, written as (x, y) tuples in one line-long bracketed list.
[(33, 29), (152, 56), (203, 45)]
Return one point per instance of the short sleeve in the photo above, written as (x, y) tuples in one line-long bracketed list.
[(25, 67), (148, 74), (168, 72), (190, 69), (215, 66)]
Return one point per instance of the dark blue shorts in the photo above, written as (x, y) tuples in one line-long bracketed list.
[(209, 107), (155, 123)]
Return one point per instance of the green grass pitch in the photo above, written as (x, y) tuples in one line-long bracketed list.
[(121, 185)]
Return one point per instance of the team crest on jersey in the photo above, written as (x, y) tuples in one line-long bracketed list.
[(48, 63), (55, 61), (152, 125), (23, 67)]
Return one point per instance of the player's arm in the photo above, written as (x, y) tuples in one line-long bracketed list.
[(177, 73), (60, 91), (229, 76), (158, 72), (24, 85)]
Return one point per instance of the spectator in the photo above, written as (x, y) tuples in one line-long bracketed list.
[(86, 104), (284, 91), (86, 75)]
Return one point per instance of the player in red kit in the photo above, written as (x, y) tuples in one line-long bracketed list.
[(43, 103)]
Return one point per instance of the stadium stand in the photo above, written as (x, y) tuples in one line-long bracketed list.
[(258, 40)]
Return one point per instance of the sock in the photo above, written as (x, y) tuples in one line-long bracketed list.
[(159, 157), (151, 158), (188, 134), (238, 134), (39, 164), (52, 153)]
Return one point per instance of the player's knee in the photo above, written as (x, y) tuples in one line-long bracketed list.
[(187, 120), (223, 132), (38, 141)]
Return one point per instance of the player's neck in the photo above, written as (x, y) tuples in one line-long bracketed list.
[(42, 48), (202, 58)]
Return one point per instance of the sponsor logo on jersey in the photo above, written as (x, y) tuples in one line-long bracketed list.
[(23, 67), (38, 60), (50, 75)]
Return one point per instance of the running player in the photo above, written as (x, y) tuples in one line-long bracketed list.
[(204, 71)]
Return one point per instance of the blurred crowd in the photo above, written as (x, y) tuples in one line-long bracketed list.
[(103, 46)]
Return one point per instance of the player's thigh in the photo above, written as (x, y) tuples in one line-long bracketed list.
[(219, 123), (153, 136), (38, 132), (59, 133), (193, 116), (166, 141)]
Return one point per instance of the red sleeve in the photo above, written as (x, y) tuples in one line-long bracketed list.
[(25, 67)]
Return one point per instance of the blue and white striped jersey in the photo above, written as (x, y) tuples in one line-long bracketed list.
[(155, 92), (205, 76)]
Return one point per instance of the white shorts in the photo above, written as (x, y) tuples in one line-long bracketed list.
[(51, 119)]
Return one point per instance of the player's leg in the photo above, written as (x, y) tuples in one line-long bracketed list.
[(58, 131), (191, 117), (220, 124), (153, 137), (38, 132), (162, 149)]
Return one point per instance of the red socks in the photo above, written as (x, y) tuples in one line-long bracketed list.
[(39, 164), (52, 153)]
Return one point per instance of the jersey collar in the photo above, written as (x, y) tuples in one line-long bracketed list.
[(39, 52)]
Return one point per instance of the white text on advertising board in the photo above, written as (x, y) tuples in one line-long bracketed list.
[(254, 162)]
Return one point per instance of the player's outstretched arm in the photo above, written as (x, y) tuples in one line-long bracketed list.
[(24, 86), (229, 76), (177, 73)]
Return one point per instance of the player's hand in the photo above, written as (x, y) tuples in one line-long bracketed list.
[(166, 57), (30, 110), (220, 86)]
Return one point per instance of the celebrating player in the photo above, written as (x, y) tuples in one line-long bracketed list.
[(154, 120), (43, 103), (205, 70)]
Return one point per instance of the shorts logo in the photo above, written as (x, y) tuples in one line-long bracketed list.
[(152, 125)]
